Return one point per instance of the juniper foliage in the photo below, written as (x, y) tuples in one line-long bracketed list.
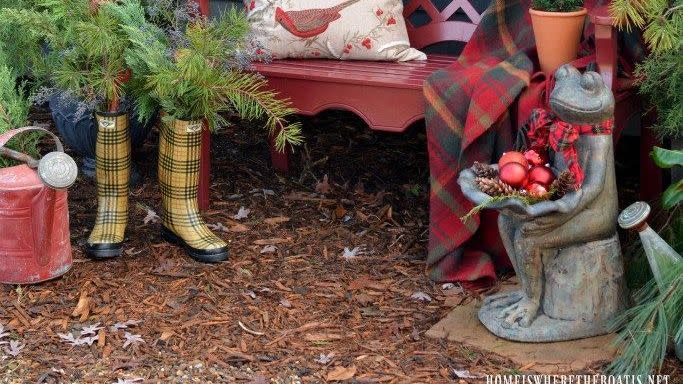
[(660, 75), (14, 109), (80, 48)]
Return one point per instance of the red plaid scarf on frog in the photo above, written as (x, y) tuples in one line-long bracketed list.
[(547, 130)]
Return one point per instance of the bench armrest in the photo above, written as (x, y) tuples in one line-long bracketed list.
[(605, 45)]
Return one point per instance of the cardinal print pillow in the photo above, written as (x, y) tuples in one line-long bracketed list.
[(333, 29)]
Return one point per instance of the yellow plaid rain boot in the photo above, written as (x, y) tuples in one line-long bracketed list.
[(179, 150), (113, 176)]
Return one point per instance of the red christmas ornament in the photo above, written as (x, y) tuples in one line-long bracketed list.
[(513, 174), (536, 157), (536, 190), (513, 157), (541, 174)]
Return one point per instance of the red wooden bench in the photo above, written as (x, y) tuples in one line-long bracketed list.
[(388, 96)]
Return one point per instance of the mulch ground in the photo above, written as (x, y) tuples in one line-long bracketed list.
[(326, 278)]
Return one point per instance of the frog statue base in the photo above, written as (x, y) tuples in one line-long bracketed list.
[(583, 293), (565, 252)]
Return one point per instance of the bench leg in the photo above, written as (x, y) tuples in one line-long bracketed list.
[(279, 159), (205, 169)]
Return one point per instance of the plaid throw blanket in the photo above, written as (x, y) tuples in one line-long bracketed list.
[(467, 118)]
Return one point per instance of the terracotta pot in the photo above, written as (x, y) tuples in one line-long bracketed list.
[(557, 37)]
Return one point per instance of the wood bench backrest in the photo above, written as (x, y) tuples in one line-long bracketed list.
[(442, 25)]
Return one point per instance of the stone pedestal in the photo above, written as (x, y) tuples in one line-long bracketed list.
[(463, 327)]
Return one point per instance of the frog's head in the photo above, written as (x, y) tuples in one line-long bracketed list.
[(581, 98)]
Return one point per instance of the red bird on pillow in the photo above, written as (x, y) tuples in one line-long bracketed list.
[(310, 22)]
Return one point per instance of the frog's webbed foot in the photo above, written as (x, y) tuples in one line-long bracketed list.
[(503, 299), (522, 312)]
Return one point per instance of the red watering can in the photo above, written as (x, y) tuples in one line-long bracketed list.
[(35, 242)]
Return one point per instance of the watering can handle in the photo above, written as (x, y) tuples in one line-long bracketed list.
[(30, 161)]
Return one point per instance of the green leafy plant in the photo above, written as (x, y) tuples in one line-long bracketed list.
[(21, 48), (660, 75), (81, 48), (14, 110), (557, 5), (665, 158), (199, 72)]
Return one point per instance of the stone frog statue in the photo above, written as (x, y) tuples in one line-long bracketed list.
[(566, 252)]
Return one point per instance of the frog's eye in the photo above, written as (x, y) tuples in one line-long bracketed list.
[(563, 72), (588, 82)]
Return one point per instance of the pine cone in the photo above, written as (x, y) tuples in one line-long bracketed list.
[(484, 170), (564, 183), (494, 187)]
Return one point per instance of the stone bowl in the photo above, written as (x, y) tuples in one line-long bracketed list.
[(513, 206)]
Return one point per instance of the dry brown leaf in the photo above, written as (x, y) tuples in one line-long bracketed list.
[(341, 373), (276, 220), (238, 228), (166, 335), (83, 307), (339, 212), (323, 186)]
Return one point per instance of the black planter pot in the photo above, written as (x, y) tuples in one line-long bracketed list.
[(80, 133)]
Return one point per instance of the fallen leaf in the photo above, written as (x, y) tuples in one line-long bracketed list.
[(14, 348), (421, 296), (218, 227), (465, 374), (269, 249), (350, 254), (83, 307), (323, 186), (132, 339), (341, 373), (243, 213), (124, 325), (324, 359), (151, 217), (166, 335), (90, 329), (238, 228), (130, 381), (3, 334), (286, 303)]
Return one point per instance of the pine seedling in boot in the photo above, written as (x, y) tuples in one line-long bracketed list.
[(85, 60), (195, 73)]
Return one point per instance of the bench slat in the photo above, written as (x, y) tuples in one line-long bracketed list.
[(409, 75)]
